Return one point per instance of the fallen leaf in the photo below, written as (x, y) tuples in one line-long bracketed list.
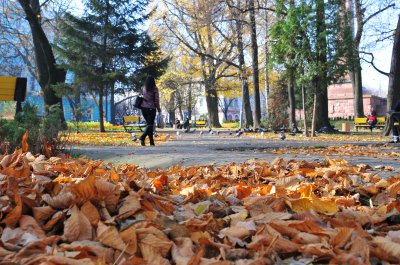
[(77, 227)]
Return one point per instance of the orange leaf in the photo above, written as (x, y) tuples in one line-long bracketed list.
[(25, 146), (160, 182), (243, 191), (14, 216)]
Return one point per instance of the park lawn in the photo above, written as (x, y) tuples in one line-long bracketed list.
[(257, 211), (109, 138), (324, 137)]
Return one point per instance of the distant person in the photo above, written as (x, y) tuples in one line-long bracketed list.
[(178, 123), (394, 117), (186, 124), (372, 120), (151, 103)]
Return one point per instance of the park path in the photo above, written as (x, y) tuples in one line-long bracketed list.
[(192, 149)]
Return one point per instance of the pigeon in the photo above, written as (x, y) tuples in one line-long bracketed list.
[(275, 132), (239, 133), (167, 135), (134, 137), (178, 133), (262, 133), (292, 133), (201, 133), (282, 136), (217, 132), (155, 134), (230, 132), (211, 132)]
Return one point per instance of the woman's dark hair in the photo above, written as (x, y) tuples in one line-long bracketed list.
[(150, 83)]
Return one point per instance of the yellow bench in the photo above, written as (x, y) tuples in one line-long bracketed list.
[(131, 122), (12, 88), (362, 123), (200, 123)]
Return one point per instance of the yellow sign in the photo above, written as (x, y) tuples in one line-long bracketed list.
[(12, 88)]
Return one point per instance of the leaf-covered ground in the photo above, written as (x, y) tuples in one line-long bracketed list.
[(344, 150), (76, 211), (111, 138)]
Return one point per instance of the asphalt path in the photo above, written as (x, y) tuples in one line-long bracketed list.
[(193, 149)]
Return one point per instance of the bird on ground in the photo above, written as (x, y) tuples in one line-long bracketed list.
[(211, 132), (167, 135), (262, 133), (217, 132), (178, 133), (292, 133), (134, 137), (239, 133), (282, 136), (201, 133), (155, 134), (275, 132), (230, 132)]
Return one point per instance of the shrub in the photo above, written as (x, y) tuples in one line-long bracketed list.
[(11, 132)]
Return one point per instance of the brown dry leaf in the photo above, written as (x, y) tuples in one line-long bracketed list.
[(54, 220), (341, 238), (109, 193), (277, 243), (42, 214), (154, 249), (306, 238), (85, 190), (29, 225), (66, 261), (91, 213), (320, 250), (129, 237), (109, 236), (93, 247), (196, 236), (236, 231), (182, 251), (130, 205), (13, 217), (25, 146), (62, 200), (388, 246), (394, 189), (77, 227)]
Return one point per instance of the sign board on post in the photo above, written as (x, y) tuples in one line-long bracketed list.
[(12, 88)]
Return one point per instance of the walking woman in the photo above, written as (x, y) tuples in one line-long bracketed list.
[(151, 103)]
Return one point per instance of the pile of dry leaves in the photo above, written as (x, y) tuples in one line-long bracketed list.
[(74, 211)]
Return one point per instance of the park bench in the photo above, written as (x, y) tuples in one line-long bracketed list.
[(200, 123), (13, 89), (131, 123), (362, 123)]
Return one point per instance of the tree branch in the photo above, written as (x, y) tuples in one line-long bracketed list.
[(377, 12), (372, 63)]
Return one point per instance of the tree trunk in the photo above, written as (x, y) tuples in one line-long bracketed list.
[(266, 88), (292, 103), (101, 113), (212, 106), (357, 88), (303, 98), (256, 78), (314, 113), (47, 69), (112, 104), (245, 88), (394, 75), (322, 118), (356, 69)]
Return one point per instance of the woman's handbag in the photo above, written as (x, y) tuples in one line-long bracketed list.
[(138, 102)]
